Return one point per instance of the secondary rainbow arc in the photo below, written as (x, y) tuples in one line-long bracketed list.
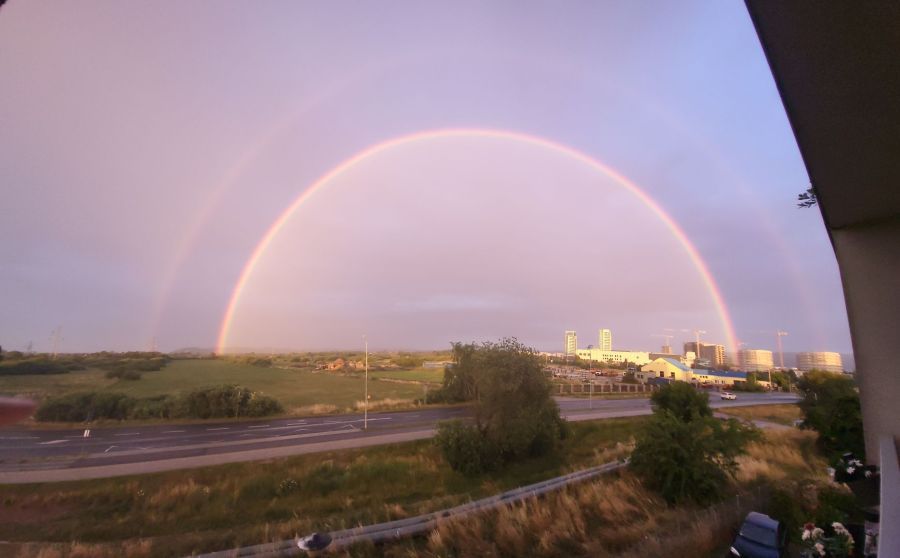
[(279, 223)]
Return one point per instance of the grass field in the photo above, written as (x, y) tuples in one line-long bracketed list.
[(430, 375), (297, 390), (50, 385), (180, 512), (781, 414)]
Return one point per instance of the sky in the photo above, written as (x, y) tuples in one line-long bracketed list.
[(146, 150)]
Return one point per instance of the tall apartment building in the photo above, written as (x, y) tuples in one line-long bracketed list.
[(755, 360), (605, 340), (830, 362), (571, 343), (715, 354)]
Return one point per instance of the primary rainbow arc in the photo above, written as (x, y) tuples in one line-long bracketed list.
[(381, 147)]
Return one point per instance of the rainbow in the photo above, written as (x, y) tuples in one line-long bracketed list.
[(386, 145)]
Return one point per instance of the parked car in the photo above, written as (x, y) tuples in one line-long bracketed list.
[(728, 395), (760, 537)]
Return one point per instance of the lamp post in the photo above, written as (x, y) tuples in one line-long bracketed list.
[(590, 376), (366, 402)]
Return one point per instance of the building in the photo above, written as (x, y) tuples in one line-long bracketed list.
[(571, 343), (615, 357), (830, 362), (672, 369), (666, 367), (715, 354), (755, 360), (604, 341)]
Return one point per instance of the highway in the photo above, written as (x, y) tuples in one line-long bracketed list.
[(39, 455)]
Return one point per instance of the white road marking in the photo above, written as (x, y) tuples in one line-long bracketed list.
[(260, 426), (299, 429), (52, 442), (129, 434), (109, 448), (221, 428), (173, 431), (19, 438)]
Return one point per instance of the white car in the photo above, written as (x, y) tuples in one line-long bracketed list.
[(728, 395)]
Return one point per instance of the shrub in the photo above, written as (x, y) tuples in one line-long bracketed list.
[(515, 416), (682, 400), (465, 448), (34, 366), (79, 407), (227, 401), (831, 407), (685, 454)]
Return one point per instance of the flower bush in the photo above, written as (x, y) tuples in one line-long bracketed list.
[(816, 544)]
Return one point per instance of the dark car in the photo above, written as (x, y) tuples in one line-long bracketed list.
[(760, 537)]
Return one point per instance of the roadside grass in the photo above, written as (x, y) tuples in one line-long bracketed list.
[(616, 516), (785, 413), (213, 508)]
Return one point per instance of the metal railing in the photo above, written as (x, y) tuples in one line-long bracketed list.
[(402, 528)]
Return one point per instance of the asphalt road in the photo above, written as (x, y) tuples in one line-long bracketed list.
[(137, 449)]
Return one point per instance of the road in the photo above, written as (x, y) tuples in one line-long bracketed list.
[(37, 455)]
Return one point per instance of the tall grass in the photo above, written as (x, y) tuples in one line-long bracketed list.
[(214, 508)]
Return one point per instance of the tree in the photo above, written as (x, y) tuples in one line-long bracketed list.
[(831, 407), (682, 400), (514, 415), (683, 452), (807, 198)]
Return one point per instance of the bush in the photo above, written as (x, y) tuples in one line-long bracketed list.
[(123, 374), (228, 401), (465, 448), (80, 407), (683, 453), (831, 406), (515, 416), (217, 402), (682, 400), (35, 366)]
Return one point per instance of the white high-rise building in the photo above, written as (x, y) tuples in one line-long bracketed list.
[(830, 362), (571, 343), (605, 340)]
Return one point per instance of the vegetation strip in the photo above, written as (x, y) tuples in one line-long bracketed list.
[(392, 530)]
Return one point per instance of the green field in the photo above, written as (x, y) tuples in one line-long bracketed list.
[(430, 375), (297, 390)]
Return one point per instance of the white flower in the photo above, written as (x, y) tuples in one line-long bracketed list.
[(820, 548), (850, 470), (806, 534), (817, 533)]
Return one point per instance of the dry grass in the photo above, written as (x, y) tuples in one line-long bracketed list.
[(317, 409), (781, 414), (385, 404), (616, 516)]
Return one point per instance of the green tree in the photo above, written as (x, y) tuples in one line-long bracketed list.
[(514, 414), (683, 452), (682, 400), (831, 407)]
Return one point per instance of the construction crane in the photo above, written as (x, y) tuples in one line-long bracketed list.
[(778, 335), (668, 339)]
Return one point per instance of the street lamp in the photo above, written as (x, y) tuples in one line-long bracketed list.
[(590, 376), (366, 401)]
